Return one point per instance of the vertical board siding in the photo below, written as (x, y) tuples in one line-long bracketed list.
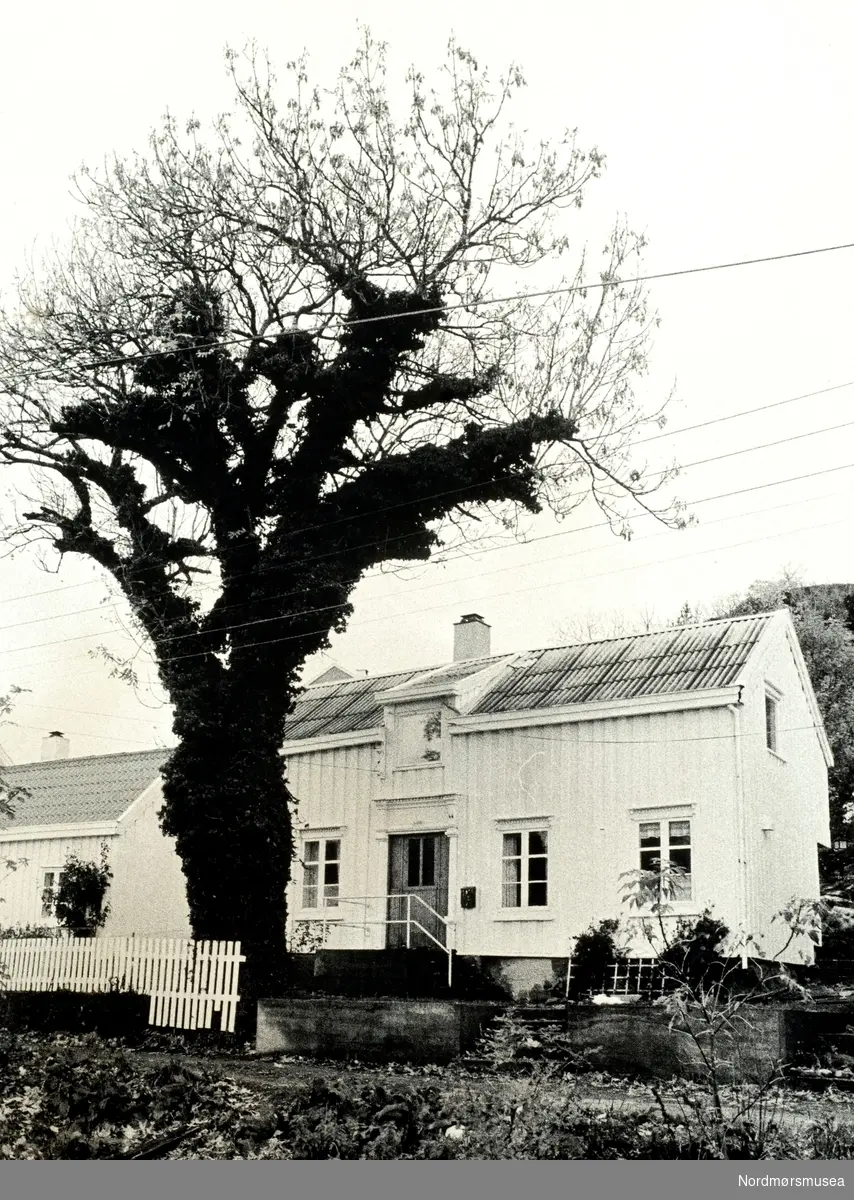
[(187, 981), (335, 790), (148, 893), (591, 783), (588, 781), (786, 807), (20, 887)]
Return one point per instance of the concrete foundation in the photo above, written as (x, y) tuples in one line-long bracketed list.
[(385, 1030), (638, 1039)]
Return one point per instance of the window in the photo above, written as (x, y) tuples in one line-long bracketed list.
[(50, 879), (771, 707), (421, 862), (525, 869), (321, 867), (665, 847)]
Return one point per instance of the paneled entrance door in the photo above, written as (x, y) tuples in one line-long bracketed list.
[(417, 866)]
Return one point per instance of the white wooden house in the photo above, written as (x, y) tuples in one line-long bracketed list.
[(492, 804), (76, 806), (511, 793)]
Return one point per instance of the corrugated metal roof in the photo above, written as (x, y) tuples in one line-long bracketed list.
[(690, 658), (72, 790), (687, 659), (345, 707)]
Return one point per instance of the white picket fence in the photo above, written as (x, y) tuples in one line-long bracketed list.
[(187, 981)]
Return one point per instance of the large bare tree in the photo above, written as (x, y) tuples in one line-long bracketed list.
[(274, 357)]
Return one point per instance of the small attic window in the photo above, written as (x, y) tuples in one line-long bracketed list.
[(772, 708)]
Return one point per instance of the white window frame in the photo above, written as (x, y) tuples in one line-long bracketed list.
[(773, 699), (43, 873), (323, 902), (664, 821), (524, 831)]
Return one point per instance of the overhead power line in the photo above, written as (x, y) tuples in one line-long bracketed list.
[(551, 583), (317, 558), (510, 591), (343, 520), (20, 668), (592, 285)]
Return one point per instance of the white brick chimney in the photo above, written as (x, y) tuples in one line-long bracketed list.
[(55, 746), (471, 637)]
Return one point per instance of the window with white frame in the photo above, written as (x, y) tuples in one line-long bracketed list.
[(772, 708), (665, 850), (47, 894), (321, 872), (525, 869)]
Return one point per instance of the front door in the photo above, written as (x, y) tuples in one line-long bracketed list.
[(417, 867)]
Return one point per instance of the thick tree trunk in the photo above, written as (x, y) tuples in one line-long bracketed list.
[(228, 806)]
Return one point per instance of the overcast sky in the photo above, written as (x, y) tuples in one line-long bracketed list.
[(728, 131)]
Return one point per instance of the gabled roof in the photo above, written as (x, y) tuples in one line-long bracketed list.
[(689, 658), (74, 791)]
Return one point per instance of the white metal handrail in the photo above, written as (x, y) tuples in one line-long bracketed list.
[(409, 921)]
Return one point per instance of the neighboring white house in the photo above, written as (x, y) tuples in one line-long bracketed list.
[(509, 794), (76, 805)]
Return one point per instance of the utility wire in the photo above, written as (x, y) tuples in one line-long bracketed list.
[(538, 586), (545, 537), (248, 339), (437, 495), (284, 595), (480, 575), (79, 733), (510, 591), (310, 559), (78, 612), (573, 744)]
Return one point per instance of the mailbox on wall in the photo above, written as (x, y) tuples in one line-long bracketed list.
[(468, 897)]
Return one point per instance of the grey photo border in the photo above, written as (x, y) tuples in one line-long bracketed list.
[(305, 1180)]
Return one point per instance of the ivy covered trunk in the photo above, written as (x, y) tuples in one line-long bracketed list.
[(271, 365), (228, 807)]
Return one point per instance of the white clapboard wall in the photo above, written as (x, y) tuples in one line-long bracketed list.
[(187, 981)]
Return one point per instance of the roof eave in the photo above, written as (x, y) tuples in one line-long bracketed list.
[(596, 711), (36, 833), (331, 741)]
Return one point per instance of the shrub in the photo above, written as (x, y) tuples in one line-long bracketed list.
[(693, 956), (510, 1042), (18, 932), (112, 1014), (78, 901), (594, 952)]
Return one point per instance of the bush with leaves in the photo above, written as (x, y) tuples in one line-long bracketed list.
[(595, 951), (694, 955), (512, 1044), (78, 901), (80, 1098)]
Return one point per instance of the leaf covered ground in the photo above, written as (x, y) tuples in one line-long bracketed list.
[(73, 1097)]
